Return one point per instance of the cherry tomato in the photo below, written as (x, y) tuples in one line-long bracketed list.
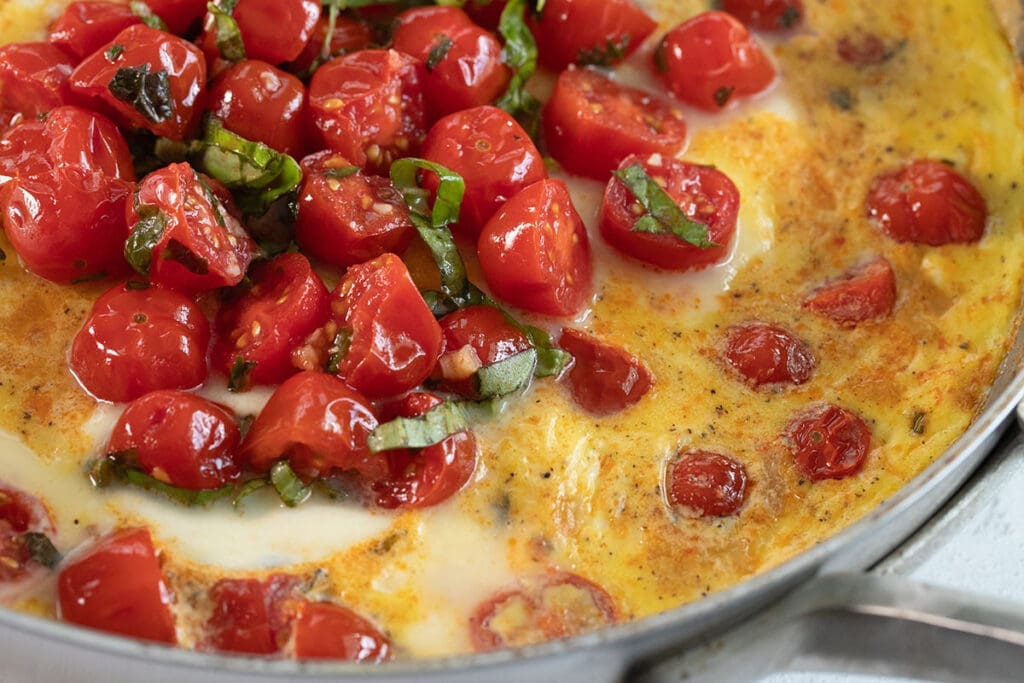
[(347, 217), (591, 123), (179, 438), (474, 338), (32, 77), (863, 49), (711, 60), (927, 202), (395, 340), (117, 586), (181, 16), (492, 153), (20, 513), (765, 354), (534, 251), (323, 630), (866, 292), (766, 15), (602, 32), (704, 194), (139, 340), (286, 302), (85, 27), (141, 47), (201, 244), (369, 106), (349, 35), (463, 61), (316, 422), (539, 609), (604, 379), (276, 31), (248, 614), (828, 442), (706, 484), (486, 13)]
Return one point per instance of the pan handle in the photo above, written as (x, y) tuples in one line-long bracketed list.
[(862, 623)]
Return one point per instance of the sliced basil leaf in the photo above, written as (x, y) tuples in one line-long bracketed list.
[(341, 173), (149, 93), (288, 485), (339, 347), (663, 217), (110, 468), (41, 549), (143, 12), (432, 427), (520, 54), (506, 376), (147, 233), (438, 52), (551, 360), (246, 490), (241, 369), (226, 33)]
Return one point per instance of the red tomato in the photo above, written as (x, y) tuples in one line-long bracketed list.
[(349, 35), (369, 106), (395, 340), (248, 614), (154, 51), (180, 15), (486, 13), (117, 586), (706, 484), (534, 251), (828, 442), (601, 32), (286, 302), (346, 217), (463, 61), (927, 202), (766, 15), (419, 478), (591, 123), (261, 102), (85, 27), (276, 31), (604, 379), (318, 424), (710, 60), (20, 513), (492, 153), (32, 77), (202, 244), (539, 609), (139, 340), (866, 292), (474, 338), (765, 354), (323, 630), (179, 438), (704, 194)]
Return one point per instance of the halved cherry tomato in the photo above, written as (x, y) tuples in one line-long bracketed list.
[(706, 484), (349, 35), (766, 354), (711, 60), (766, 15), (927, 202), (248, 615), (201, 244), (347, 216), (492, 153), (592, 123), (323, 630), (317, 423), (265, 324), (369, 106), (602, 32), (539, 609), (704, 194), (474, 338), (85, 27), (117, 586), (180, 15), (828, 442), (865, 292), (32, 77), (463, 61), (20, 513), (140, 340), (604, 379), (179, 438), (534, 251), (143, 48), (395, 340), (276, 31)]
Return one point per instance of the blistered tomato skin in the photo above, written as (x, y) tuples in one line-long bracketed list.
[(20, 513), (350, 35), (276, 31), (766, 15), (323, 630), (179, 15), (604, 379), (249, 616), (706, 484), (764, 354), (601, 32), (474, 338), (32, 77), (84, 27), (827, 441), (865, 292)]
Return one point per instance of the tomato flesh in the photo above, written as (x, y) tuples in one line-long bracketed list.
[(248, 615), (767, 355), (20, 513), (276, 31), (828, 442), (474, 338), (601, 32), (866, 292), (32, 77), (766, 15), (604, 378), (85, 27), (323, 630), (706, 484)]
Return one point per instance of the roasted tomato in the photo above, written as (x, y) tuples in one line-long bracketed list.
[(492, 153), (601, 32), (865, 292), (463, 61), (21, 516), (539, 609), (140, 340), (927, 202), (323, 630), (117, 586), (85, 27), (248, 615), (474, 338), (764, 354), (264, 325), (591, 123), (180, 15), (704, 194), (604, 378), (32, 77), (534, 251), (706, 484), (145, 78), (766, 15), (276, 31), (347, 216), (178, 438), (317, 423), (828, 442), (369, 106), (349, 35), (711, 60)]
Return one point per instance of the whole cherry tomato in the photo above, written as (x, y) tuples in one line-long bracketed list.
[(828, 442), (604, 379), (865, 292), (766, 354), (323, 630), (32, 77), (474, 338), (766, 15), (85, 27), (180, 15), (349, 35), (20, 514), (276, 31), (601, 32), (706, 484), (139, 340), (248, 615)]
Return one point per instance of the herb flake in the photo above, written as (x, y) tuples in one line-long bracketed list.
[(149, 93)]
